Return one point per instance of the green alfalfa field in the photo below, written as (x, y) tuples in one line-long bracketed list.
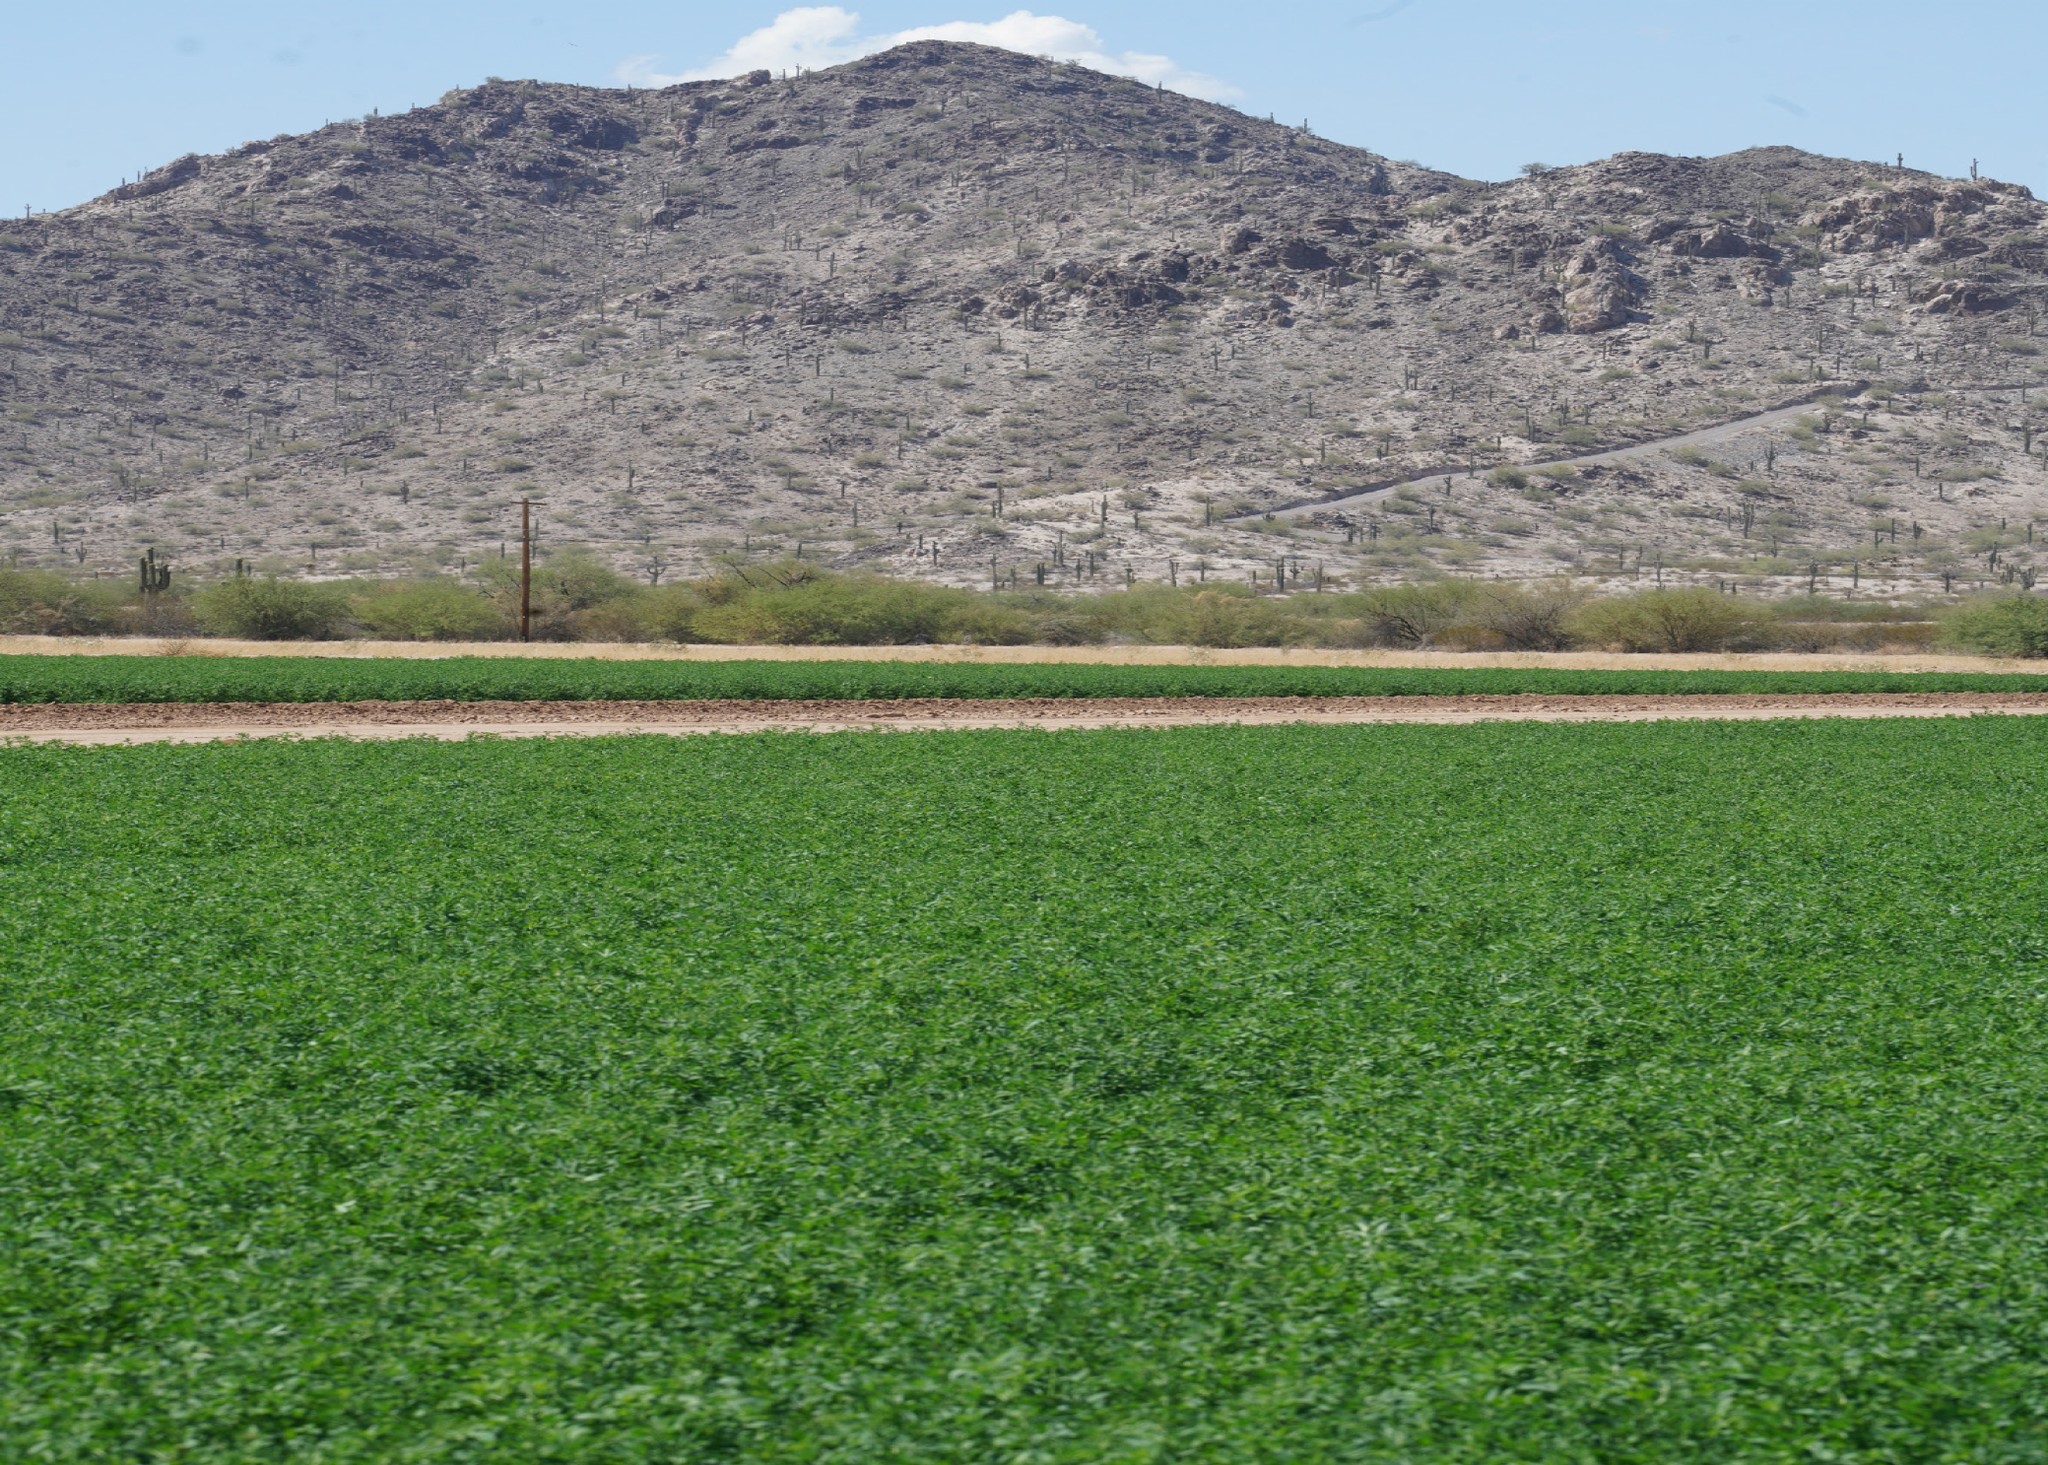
[(1515, 1092), (190, 678)]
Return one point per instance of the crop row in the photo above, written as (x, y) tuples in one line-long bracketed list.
[(1640, 1093), (317, 679)]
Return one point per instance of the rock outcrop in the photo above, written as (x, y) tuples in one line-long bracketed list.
[(1601, 292)]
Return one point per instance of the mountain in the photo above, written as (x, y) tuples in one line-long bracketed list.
[(962, 313)]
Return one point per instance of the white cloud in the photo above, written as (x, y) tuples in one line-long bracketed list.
[(827, 35)]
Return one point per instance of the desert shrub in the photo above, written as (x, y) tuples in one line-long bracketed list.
[(575, 579), (1222, 615), (568, 585), (623, 618), (1687, 619), (1858, 637), (1999, 625), (1226, 616), (669, 613), (1062, 628), (44, 603), (272, 609), (1414, 615), (1460, 615), (1149, 612), (982, 622), (1531, 618), (439, 609), (829, 610)]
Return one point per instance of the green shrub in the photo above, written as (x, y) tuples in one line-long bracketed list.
[(44, 603), (1220, 614), (1999, 625), (575, 579), (828, 610), (623, 618), (1414, 615), (272, 609), (1228, 617), (575, 597), (1688, 619), (668, 613), (983, 621), (430, 610), (1532, 618)]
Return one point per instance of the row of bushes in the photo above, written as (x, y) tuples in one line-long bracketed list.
[(575, 598)]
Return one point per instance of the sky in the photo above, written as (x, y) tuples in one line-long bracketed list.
[(91, 94)]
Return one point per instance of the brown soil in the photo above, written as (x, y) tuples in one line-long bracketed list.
[(204, 722)]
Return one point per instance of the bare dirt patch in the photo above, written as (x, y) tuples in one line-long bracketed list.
[(207, 722)]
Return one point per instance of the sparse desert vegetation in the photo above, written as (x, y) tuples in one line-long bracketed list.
[(794, 603), (1038, 326)]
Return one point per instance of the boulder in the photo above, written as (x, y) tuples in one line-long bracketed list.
[(2022, 252), (589, 128), (1131, 292), (1759, 279), (1600, 304), (1596, 256), (1960, 297), (1013, 301), (1717, 241), (1239, 239), (1876, 219), (1300, 254), (1600, 291), (1950, 246)]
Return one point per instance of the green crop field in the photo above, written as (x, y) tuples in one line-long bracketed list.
[(1668, 1092), (470, 679)]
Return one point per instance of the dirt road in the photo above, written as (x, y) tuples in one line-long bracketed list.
[(213, 722), (1705, 437)]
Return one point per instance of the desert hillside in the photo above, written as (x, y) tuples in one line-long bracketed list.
[(965, 314)]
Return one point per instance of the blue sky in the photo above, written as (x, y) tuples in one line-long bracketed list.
[(92, 93)]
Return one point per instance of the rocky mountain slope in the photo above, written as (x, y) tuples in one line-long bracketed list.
[(956, 312)]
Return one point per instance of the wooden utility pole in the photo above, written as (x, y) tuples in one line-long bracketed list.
[(526, 569)]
